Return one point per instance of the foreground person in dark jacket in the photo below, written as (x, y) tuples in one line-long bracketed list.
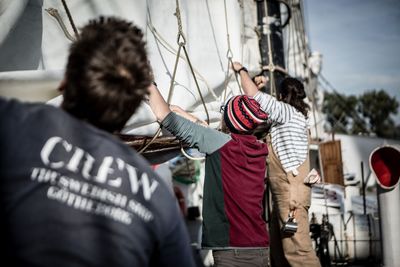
[(71, 194)]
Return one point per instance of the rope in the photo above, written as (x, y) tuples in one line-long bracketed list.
[(242, 29), (171, 89), (70, 18), (297, 43), (182, 45), (356, 117), (151, 141), (197, 85), (54, 13), (300, 50), (179, 20), (229, 56), (214, 37), (171, 86), (301, 42), (161, 40), (271, 67), (181, 40), (190, 157)]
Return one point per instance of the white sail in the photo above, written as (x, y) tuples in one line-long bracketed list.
[(33, 54)]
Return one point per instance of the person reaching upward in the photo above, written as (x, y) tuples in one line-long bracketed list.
[(233, 226)]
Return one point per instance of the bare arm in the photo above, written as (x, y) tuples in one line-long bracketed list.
[(250, 88), (161, 109), (157, 103)]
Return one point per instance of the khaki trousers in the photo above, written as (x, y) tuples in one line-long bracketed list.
[(290, 192)]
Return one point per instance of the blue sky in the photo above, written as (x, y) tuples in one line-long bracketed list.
[(360, 43)]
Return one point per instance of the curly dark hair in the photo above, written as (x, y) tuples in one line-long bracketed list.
[(107, 73), (292, 92)]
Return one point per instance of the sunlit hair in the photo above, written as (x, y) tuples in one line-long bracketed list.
[(292, 92), (107, 73)]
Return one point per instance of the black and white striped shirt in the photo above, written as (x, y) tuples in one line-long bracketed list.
[(289, 131)]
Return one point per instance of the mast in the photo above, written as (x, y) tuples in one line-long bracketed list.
[(270, 41)]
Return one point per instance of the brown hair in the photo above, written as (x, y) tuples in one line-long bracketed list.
[(107, 73), (292, 92)]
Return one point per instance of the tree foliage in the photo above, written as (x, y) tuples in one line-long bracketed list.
[(369, 114)]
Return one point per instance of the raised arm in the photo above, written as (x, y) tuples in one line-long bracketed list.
[(178, 110), (207, 140), (278, 111), (249, 86), (161, 109), (157, 103)]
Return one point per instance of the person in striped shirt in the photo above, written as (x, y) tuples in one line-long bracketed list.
[(288, 163)]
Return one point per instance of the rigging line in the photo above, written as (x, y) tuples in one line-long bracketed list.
[(296, 46), (171, 88), (303, 33), (172, 82), (355, 116), (299, 45), (181, 40), (168, 47), (287, 31), (327, 82), (161, 40), (189, 156), (292, 44), (298, 23), (214, 37), (157, 41), (71, 21), (306, 22), (285, 44), (229, 53), (226, 81), (242, 29), (314, 107), (170, 91), (302, 41), (54, 13), (197, 85), (299, 41), (182, 44), (338, 122), (303, 25), (297, 55), (180, 28), (270, 66), (151, 141)]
